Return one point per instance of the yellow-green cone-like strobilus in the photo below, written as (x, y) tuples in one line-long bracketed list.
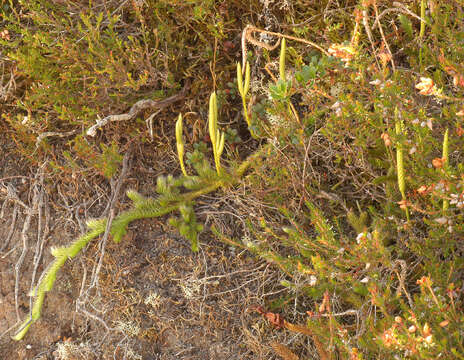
[(180, 143), (243, 88), (283, 49), (216, 136), (445, 156), (400, 161)]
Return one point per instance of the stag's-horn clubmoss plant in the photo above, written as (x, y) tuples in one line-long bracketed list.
[(369, 285), (170, 199)]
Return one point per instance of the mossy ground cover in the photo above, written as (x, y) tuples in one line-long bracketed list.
[(354, 193)]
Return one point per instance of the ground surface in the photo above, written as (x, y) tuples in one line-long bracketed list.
[(155, 299)]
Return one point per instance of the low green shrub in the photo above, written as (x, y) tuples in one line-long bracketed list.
[(368, 219), (358, 177)]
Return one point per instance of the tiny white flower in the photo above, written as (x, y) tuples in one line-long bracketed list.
[(359, 237), (429, 124), (441, 220), (375, 82), (335, 105), (312, 280), (365, 280), (368, 265)]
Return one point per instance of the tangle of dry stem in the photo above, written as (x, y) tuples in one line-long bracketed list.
[(136, 109), (247, 36)]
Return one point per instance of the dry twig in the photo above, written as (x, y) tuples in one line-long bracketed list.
[(110, 208), (12, 228), (247, 36), (47, 134), (136, 109), (30, 211)]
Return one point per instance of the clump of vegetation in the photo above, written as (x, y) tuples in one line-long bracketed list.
[(363, 225), (356, 169)]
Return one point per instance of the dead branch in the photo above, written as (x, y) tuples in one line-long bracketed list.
[(53, 133), (136, 109), (12, 228), (41, 234), (30, 212), (247, 36)]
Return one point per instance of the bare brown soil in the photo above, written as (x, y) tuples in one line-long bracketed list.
[(152, 298)]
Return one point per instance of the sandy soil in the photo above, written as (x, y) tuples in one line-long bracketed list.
[(152, 299)]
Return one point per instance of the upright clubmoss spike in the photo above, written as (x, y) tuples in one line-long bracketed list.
[(221, 144), (212, 118), (422, 31), (217, 137), (247, 79), (446, 146), (243, 88), (283, 49), (445, 156), (400, 161), (239, 79), (180, 144)]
